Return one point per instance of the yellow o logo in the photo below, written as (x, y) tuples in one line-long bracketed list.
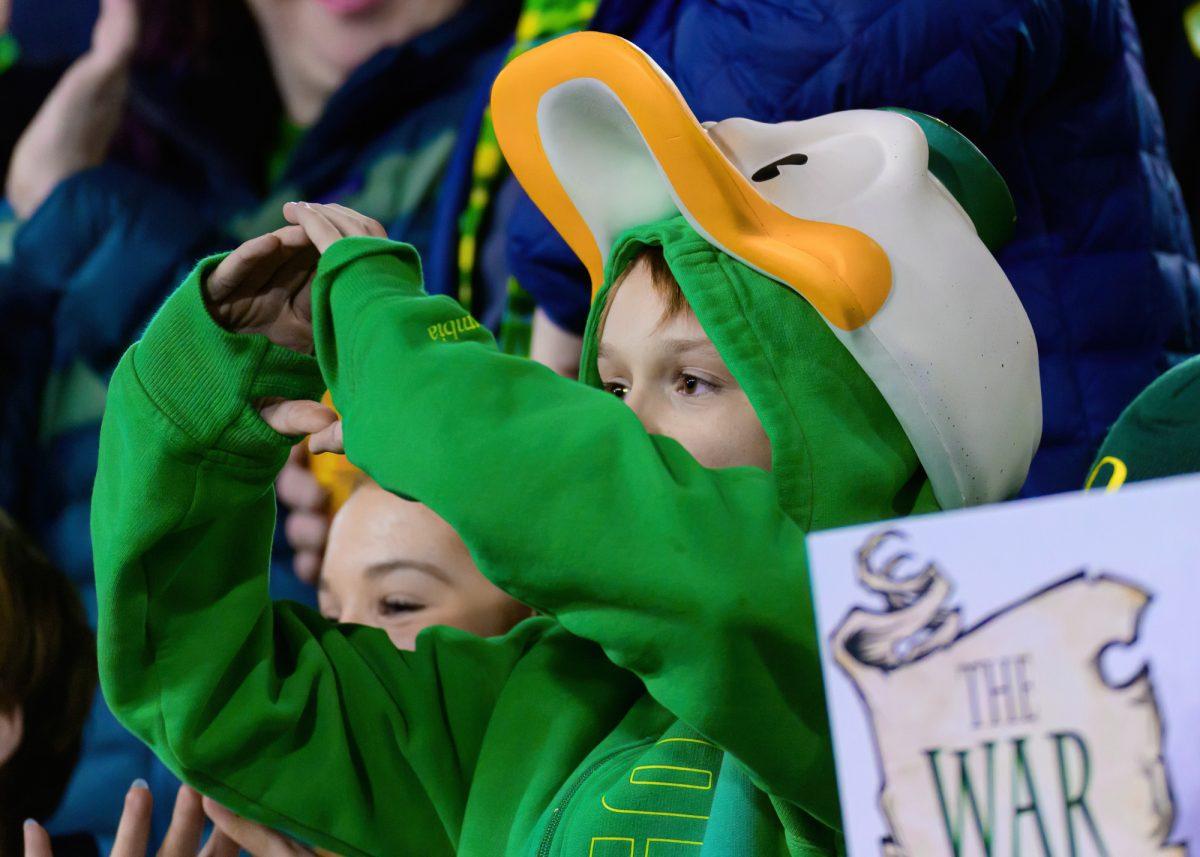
[(1119, 472)]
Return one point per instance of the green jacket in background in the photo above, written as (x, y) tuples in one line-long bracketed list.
[(676, 654), (1157, 436)]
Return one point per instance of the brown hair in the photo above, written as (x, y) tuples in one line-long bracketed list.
[(662, 279), (48, 671)]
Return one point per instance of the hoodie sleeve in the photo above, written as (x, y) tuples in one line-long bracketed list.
[(267, 707), (691, 578)]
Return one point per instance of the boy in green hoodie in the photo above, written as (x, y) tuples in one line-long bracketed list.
[(668, 699)]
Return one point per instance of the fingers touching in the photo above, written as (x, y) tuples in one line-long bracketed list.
[(252, 838), (299, 417), (295, 417), (328, 439), (325, 224)]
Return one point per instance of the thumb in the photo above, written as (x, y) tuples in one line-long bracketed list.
[(295, 417)]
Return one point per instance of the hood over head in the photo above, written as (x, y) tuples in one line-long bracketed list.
[(839, 456), (881, 220)]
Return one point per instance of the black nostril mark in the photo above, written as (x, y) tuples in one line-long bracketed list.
[(771, 170)]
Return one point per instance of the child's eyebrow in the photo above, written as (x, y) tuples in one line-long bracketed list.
[(381, 569), (686, 346)]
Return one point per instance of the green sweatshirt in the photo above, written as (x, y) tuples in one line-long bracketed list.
[(675, 659), (1157, 436)]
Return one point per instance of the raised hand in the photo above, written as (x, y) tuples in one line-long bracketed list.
[(74, 127), (289, 322), (264, 286), (325, 224)]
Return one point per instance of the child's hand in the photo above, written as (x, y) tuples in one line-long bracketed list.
[(325, 224), (300, 416), (264, 287), (253, 838), (133, 831), (231, 834)]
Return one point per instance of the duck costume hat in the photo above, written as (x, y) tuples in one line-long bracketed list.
[(883, 220)]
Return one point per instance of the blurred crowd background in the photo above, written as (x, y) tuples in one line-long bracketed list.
[(141, 135)]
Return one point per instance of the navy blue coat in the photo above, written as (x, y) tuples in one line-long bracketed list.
[(1054, 94)]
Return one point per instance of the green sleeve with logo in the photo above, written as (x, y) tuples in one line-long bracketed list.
[(324, 731), (693, 579)]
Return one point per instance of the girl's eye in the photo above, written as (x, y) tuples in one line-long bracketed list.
[(397, 606), (690, 385), (617, 389)]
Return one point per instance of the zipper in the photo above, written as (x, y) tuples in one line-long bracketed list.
[(557, 813)]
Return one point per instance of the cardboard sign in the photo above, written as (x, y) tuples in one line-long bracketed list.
[(1020, 679)]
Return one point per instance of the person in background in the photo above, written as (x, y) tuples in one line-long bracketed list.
[(1157, 436), (47, 678), (37, 43)]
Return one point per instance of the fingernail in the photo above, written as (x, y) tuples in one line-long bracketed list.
[(139, 783), (29, 822)]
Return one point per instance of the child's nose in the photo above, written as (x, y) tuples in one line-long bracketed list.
[(642, 405)]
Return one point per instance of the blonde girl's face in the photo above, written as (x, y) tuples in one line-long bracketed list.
[(395, 565)]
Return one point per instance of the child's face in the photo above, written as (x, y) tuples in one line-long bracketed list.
[(396, 565), (669, 372)]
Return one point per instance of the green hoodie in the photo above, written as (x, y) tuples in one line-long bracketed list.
[(675, 659), (1157, 436)]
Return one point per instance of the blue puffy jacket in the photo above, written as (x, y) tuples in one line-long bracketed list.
[(1054, 94)]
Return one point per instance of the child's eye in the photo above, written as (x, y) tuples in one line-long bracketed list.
[(692, 385), (617, 389), (396, 606)]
